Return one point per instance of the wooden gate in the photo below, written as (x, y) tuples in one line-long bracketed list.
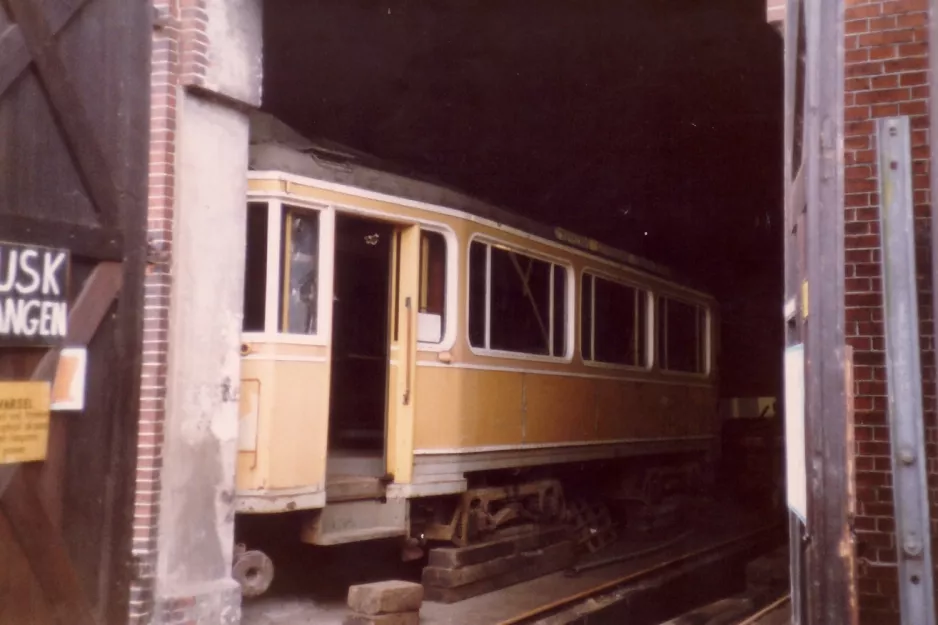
[(74, 143)]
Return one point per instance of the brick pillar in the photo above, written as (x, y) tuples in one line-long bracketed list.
[(205, 76), (886, 75), (164, 84)]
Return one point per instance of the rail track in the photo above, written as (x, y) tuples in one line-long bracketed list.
[(575, 607)]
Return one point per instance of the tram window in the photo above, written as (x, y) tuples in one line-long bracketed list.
[(432, 287), (521, 318), (477, 272), (255, 268), (300, 277), (681, 336), (619, 317), (586, 317), (559, 297)]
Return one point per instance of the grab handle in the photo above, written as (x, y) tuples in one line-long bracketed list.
[(407, 350)]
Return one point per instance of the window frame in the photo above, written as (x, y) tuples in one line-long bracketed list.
[(276, 210), (650, 298), (707, 336), (451, 290), (569, 308)]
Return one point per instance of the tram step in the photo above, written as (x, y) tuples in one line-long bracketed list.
[(353, 521)]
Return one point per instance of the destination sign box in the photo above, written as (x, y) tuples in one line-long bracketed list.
[(33, 294)]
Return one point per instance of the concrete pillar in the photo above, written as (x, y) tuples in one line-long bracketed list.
[(220, 81)]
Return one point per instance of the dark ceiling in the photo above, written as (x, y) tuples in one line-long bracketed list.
[(654, 125)]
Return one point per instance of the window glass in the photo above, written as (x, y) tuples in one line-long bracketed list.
[(681, 336), (477, 279), (255, 268), (300, 275), (619, 319), (586, 317), (432, 287), (518, 289), (560, 310)]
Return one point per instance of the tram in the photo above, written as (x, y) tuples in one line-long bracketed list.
[(420, 364)]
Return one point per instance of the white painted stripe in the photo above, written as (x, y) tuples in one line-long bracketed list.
[(645, 379), (284, 358)]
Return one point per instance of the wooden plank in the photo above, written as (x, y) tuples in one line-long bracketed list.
[(89, 309), (444, 577), (85, 316), (455, 557), (135, 18), (85, 241), (68, 109), (21, 599), (14, 53), (549, 560), (353, 488), (829, 579), (47, 553)]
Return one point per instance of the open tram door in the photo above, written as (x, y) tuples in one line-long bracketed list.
[(408, 258), (374, 312), (376, 272)]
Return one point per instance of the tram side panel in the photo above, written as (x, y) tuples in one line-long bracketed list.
[(285, 401), (470, 410)]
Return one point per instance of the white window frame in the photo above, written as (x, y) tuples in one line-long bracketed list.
[(649, 322), (569, 308), (274, 294)]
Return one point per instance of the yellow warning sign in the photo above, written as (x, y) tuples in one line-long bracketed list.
[(24, 421)]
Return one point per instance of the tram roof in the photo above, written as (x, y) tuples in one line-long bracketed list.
[(275, 146)]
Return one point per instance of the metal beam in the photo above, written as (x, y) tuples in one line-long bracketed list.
[(903, 366)]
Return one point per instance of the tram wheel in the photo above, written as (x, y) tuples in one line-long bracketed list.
[(254, 571)]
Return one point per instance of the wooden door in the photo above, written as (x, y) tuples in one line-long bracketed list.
[(402, 374), (74, 126)]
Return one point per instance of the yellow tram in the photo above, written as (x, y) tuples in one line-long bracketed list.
[(414, 360)]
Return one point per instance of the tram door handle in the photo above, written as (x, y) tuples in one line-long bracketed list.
[(405, 361)]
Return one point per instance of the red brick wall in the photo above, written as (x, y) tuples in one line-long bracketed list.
[(179, 59), (886, 75), (163, 85)]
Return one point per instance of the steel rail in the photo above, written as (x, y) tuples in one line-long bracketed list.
[(582, 596), (753, 619)]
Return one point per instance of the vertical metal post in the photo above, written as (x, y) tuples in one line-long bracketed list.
[(830, 597), (904, 380)]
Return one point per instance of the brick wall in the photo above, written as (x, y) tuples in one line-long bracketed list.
[(164, 85), (886, 74), (179, 60)]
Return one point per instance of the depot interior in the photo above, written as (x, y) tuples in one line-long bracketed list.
[(652, 126)]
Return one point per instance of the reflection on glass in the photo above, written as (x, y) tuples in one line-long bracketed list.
[(301, 272)]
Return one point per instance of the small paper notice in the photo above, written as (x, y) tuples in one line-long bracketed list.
[(24, 421)]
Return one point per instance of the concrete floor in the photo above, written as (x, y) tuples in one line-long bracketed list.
[(312, 583)]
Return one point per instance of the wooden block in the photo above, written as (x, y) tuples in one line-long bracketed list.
[(400, 618), (552, 558), (455, 557), (454, 577), (390, 597)]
